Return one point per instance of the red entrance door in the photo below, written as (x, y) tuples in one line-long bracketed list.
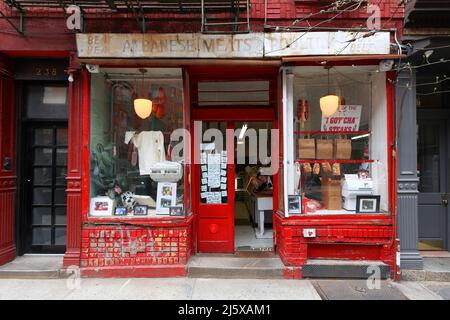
[(215, 180)]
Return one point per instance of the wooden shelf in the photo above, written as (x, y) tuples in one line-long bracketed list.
[(333, 160), (332, 132)]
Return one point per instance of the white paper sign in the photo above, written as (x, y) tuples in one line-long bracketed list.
[(347, 118), (214, 170), (208, 146), (203, 158), (166, 197), (214, 197)]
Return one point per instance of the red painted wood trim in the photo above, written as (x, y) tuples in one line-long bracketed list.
[(386, 217), (236, 114), (334, 160), (86, 183), (392, 250), (333, 132), (162, 271), (74, 165), (165, 222), (7, 149)]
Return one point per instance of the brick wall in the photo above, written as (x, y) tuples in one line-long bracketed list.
[(357, 240), (117, 246), (278, 13)]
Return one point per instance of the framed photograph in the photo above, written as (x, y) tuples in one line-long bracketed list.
[(176, 211), (102, 206), (367, 204), (295, 204), (120, 211), (166, 197), (140, 210)]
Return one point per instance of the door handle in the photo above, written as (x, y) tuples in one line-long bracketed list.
[(444, 200)]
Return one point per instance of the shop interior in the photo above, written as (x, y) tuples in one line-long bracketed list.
[(254, 186), (133, 171), (340, 138)]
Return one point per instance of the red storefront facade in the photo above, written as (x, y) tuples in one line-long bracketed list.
[(162, 246)]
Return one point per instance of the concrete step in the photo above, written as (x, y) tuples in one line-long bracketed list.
[(33, 267), (434, 269), (328, 268), (235, 267)]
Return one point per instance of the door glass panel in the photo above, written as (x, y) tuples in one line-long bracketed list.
[(60, 215), (42, 176), (61, 156), (60, 196), (62, 136), (61, 173), (428, 157), (46, 196), (42, 215), (43, 137), (42, 236), (42, 196), (43, 156), (213, 163), (60, 236)]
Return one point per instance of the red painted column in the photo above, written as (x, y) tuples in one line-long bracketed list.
[(7, 150), (77, 93)]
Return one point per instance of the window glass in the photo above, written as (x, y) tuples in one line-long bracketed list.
[(137, 170), (340, 141), (46, 102)]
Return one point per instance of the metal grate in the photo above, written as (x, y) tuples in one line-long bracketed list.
[(217, 16), (127, 5)]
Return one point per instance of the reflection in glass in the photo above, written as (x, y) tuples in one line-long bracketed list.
[(42, 176), (43, 156), (43, 137), (41, 236), (60, 196), (60, 236), (60, 215), (42, 215), (42, 196)]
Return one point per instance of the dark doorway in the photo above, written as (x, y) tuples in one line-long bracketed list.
[(42, 158), (432, 162)]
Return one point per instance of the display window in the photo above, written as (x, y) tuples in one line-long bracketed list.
[(137, 168), (338, 124)]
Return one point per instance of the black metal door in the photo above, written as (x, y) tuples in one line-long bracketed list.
[(45, 171), (434, 197)]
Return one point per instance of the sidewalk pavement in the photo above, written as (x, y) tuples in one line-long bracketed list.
[(157, 288), (216, 289), (40, 277)]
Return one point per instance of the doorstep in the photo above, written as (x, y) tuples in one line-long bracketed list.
[(235, 267), (34, 266), (349, 269), (434, 269)]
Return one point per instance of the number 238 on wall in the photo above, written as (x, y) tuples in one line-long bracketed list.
[(45, 72)]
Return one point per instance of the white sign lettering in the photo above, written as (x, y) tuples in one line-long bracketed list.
[(347, 118), (251, 45)]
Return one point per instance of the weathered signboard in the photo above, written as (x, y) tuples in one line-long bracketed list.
[(251, 45)]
